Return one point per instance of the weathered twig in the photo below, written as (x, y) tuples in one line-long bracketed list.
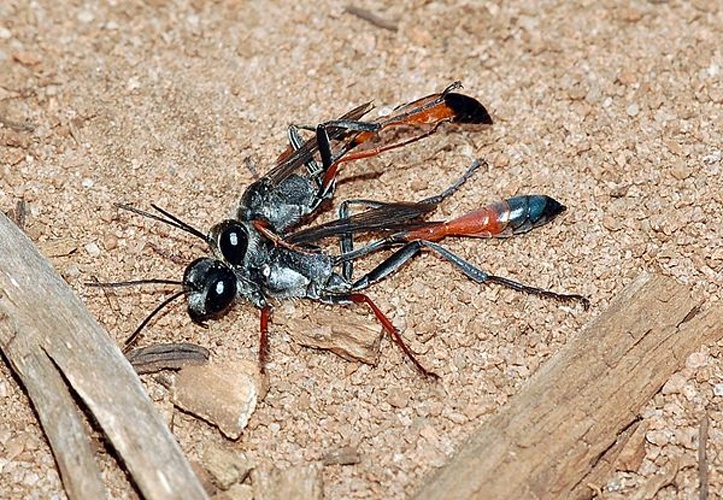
[(547, 440), (372, 18)]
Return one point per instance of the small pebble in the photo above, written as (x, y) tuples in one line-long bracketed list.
[(73, 271), (226, 467), (674, 384), (85, 16), (659, 437), (346, 455), (696, 360), (398, 398), (93, 249), (627, 77), (14, 447), (27, 58), (680, 171), (133, 84), (457, 417), (110, 242), (31, 478)]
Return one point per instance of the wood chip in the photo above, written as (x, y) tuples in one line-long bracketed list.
[(703, 473), (236, 492), (352, 336), (224, 395), (55, 249), (633, 452), (55, 346), (371, 18), (657, 482), (27, 58), (346, 455)]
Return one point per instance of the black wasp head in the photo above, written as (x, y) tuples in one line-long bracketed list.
[(210, 286), (232, 240)]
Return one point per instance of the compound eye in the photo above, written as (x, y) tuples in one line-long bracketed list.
[(233, 240), (221, 292), (210, 287)]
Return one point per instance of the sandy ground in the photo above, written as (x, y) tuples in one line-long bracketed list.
[(614, 110)]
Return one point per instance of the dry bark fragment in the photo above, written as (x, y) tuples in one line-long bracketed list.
[(167, 357), (226, 467)]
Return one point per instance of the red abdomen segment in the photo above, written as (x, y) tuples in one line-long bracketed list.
[(499, 220)]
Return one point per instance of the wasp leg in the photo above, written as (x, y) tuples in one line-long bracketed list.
[(359, 298), (393, 263), (346, 241), (338, 130), (324, 132), (332, 162), (329, 160), (437, 199), (296, 142)]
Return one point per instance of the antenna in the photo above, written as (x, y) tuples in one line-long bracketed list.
[(153, 281), (121, 284), (133, 336), (168, 218)]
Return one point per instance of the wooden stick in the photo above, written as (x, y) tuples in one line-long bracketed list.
[(55, 346), (63, 424), (547, 440)]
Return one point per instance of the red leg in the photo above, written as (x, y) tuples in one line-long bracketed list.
[(359, 298), (264, 339)]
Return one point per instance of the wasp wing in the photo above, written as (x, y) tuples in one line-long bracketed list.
[(406, 124), (384, 218), (290, 160)]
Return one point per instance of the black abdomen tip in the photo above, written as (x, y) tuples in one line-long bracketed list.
[(542, 208), (467, 109)]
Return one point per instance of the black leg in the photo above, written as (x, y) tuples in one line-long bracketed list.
[(296, 142), (393, 263), (346, 241), (439, 198)]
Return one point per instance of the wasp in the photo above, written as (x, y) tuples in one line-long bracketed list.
[(267, 252)]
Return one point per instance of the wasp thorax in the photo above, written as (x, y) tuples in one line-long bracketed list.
[(232, 241), (211, 289)]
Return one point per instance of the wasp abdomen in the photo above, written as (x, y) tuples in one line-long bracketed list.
[(501, 219)]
